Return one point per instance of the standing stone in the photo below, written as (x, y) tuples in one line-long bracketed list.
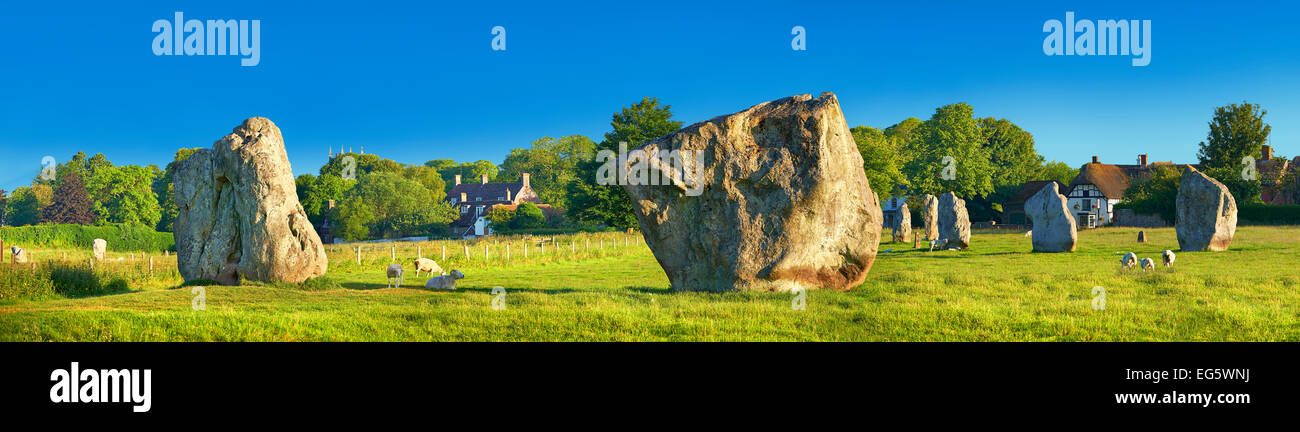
[(930, 216), (780, 201), (1054, 227), (100, 246), (239, 215), (1207, 213), (19, 254), (1142, 236), (902, 224), (953, 222)]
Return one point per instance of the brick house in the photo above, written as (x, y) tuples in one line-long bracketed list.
[(474, 200)]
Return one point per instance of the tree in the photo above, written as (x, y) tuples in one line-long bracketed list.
[(527, 215), (1236, 131), (1011, 152), (23, 207), (364, 164), (880, 160), (951, 132), (125, 195), (4, 199), (552, 164), (164, 188), (430, 178), (590, 202), (72, 204), (500, 217), (1157, 194), (389, 205), (1059, 171), (468, 171), (315, 193)]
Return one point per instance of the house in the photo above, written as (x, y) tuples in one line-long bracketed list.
[(1099, 187), (889, 209), (1270, 171), (473, 201), (1013, 211)]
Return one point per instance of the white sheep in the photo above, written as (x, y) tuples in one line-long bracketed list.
[(1129, 260), (425, 264), (1169, 258), (395, 275), (1029, 233), (445, 282), (1148, 264)]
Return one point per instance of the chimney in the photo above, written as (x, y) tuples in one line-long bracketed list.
[(484, 179), (1142, 160), (1267, 151), (525, 180), (331, 205), (1094, 159), (507, 194), (457, 180), (463, 197)]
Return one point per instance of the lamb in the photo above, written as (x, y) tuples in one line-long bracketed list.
[(1148, 264), (1169, 258), (395, 275), (445, 282), (425, 264), (1128, 261)]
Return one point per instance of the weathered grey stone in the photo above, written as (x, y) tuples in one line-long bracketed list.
[(1054, 227), (1207, 213), (783, 202), (19, 254), (953, 223), (1142, 236), (902, 224), (239, 215), (930, 216), (99, 248)]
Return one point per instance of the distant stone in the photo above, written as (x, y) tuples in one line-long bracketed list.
[(239, 216), (1054, 227), (1142, 236), (902, 224), (19, 254), (953, 223), (930, 216), (99, 248), (783, 202), (1207, 213)]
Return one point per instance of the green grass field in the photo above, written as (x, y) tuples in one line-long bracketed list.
[(997, 291)]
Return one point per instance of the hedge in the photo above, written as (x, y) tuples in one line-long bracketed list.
[(1263, 214), (120, 237)]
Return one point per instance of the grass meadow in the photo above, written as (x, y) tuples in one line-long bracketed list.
[(996, 291)]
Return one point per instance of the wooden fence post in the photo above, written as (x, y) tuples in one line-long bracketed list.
[(444, 251), (466, 245), (392, 254), (487, 253), (419, 252), (507, 251), (358, 255)]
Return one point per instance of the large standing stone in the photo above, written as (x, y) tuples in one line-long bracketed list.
[(1207, 213), (783, 202), (902, 224), (930, 216), (1054, 226), (239, 215), (100, 247), (953, 222), (19, 254)]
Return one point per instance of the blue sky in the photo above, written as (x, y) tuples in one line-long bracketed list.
[(418, 81)]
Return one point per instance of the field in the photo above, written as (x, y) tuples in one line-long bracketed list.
[(996, 291)]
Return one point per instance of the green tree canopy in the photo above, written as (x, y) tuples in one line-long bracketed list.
[(1236, 131), (552, 165), (1155, 195), (526, 216), (389, 205), (125, 195), (881, 161), (589, 202), (164, 188), (951, 132)]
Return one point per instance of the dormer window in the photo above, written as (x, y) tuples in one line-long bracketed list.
[(464, 209), (478, 198)]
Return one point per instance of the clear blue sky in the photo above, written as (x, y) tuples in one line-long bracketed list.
[(414, 82)]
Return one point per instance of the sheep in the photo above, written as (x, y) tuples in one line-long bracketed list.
[(395, 275), (1169, 258), (1029, 233), (1148, 264), (1128, 261), (425, 264), (445, 282)]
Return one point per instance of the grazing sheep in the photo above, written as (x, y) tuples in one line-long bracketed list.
[(1169, 258), (933, 243), (425, 264), (1148, 264), (1129, 260), (395, 275), (445, 282), (1029, 233)]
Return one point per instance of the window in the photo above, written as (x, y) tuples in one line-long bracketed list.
[(478, 198), (464, 209)]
